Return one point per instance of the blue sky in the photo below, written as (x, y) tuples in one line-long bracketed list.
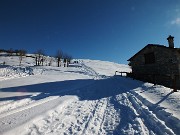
[(110, 30)]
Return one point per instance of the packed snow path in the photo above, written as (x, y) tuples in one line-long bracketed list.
[(90, 104)]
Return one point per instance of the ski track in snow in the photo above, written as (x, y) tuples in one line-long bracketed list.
[(118, 114), (142, 120), (79, 117), (89, 71), (123, 114)]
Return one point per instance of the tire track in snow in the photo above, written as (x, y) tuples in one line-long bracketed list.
[(145, 117), (110, 118), (95, 120), (79, 117), (73, 118), (70, 119), (130, 123), (170, 121), (150, 119)]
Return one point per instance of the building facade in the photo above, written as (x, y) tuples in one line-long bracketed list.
[(157, 64)]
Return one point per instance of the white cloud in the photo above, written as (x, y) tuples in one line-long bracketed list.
[(176, 21), (177, 10)]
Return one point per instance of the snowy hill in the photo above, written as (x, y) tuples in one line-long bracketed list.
[(85, 98)]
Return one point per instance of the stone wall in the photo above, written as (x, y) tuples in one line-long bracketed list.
[(167, 64)]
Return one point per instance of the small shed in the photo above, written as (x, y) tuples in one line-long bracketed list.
[(157, 64)]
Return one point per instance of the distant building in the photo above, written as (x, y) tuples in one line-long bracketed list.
[(158, 64)]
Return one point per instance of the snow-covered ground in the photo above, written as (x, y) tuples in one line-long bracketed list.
[(83, 99)]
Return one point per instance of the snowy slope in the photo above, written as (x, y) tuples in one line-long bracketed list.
[(106, 68), (85, 98)]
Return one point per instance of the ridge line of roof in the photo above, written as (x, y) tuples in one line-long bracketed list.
[(157, 45)]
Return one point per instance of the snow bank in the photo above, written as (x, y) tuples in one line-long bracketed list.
[(9, 72)]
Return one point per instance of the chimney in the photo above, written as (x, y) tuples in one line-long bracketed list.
[(171, 41)]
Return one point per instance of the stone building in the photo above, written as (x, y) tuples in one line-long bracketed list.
[(157, 64)]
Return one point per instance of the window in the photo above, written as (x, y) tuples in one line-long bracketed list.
[(149, 58)]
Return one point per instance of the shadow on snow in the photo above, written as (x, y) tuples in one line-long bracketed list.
[(85, 89)]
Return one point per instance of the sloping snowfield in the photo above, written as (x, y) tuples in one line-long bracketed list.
[(83, 99)]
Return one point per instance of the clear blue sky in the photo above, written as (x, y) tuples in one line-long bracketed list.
[(111, 30)]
